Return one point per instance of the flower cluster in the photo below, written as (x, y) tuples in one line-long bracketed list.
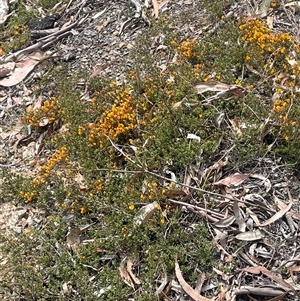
[(280, 105), (281, 109), (61, 155), (266, 50), (119, 119), (187, 48), (16, 29), (44, 173), (256, 33), (44, 115), (278, 53), (152, 191), (27, 196), (98, 185)]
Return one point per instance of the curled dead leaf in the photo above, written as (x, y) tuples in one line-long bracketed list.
[(250, 235), (145, 213), (126, 277), (233, 180), (186, 287)]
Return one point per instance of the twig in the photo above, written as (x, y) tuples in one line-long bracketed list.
[(42, 43), (200, 210), (165, 178)]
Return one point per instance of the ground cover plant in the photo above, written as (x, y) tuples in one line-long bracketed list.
[(118, 160)]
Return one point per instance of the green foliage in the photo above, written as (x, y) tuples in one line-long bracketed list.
[(101, 152)]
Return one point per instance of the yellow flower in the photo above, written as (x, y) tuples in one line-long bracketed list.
[(131, 206), (82, 210)]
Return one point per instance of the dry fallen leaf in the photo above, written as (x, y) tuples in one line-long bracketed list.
[(129, 269), (238, 216), (278, 215), (293, 270), (79, 179), (186, 287), (193, 136), (65, 289), (155, 8), (222, 237), (173, 193), (4, 9), (73, 238), (212, 87), (200, 280), (22, 69), (126, 277), (260, 269), (145, 213), (225, 222), (235, 123), (250, 235), (233, 180), (164, 287), (282, 205)]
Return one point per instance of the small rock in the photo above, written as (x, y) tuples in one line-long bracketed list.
[(43, 23)]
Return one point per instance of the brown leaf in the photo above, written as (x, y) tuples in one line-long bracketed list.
[(129, 269), (164, 287), (221, 273), (186, 287), (73, 238), (22, 69), (155, 8), (4, 72), (177, 104), (293, 270), (79, 179), (235, 123), (126, 277), (200, 280), (282, 205), (220, 236), (173, 193), (221, 89), (225, 222), (98, 69), (212, 87), (260, 269), (233, 180), (278, 215)]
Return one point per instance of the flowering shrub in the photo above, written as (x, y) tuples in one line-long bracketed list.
[(44, 115), (275, 55), (114, 154), (118, 120)]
